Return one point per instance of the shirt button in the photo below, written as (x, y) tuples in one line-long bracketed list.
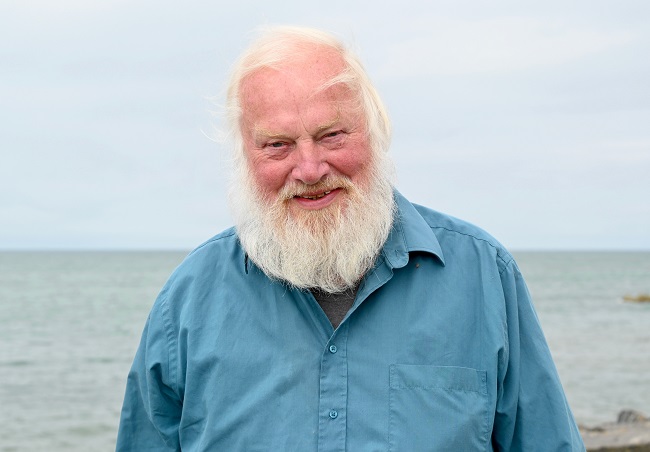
[(333, 414), (333, 349)]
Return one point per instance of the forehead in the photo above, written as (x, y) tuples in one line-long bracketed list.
[(298, 82)]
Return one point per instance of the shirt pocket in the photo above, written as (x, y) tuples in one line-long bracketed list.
[(435, 408)]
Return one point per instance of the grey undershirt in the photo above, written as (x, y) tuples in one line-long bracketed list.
[(335, 305)]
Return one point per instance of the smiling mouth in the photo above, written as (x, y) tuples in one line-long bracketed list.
[(313, 197)]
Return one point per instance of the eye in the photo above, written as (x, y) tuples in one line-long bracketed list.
[(333, 135), (276, 144), (333, 139)]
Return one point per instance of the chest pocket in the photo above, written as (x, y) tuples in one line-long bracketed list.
[(434, 408)]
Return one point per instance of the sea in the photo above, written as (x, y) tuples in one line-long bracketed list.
[(70, 323)]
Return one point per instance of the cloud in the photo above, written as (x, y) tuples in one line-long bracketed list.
[(445, 46)]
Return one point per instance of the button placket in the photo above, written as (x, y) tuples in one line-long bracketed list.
[(333, 393)]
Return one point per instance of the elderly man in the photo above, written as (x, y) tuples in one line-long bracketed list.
[(337, 315)]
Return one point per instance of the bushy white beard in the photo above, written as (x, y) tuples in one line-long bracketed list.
[(329, 249)]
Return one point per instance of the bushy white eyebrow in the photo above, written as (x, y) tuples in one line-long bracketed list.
[(261, 132)]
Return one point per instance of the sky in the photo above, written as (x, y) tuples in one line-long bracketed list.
[(529, 119)]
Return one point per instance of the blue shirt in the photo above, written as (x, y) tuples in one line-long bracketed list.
[(441, 350)]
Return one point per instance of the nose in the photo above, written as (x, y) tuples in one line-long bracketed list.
[(311, 165)]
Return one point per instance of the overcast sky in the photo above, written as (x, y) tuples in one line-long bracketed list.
[(531, 121)]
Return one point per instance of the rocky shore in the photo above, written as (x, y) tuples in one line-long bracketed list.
[(630, 433)]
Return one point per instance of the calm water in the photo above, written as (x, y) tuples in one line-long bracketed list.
[(70, 323)]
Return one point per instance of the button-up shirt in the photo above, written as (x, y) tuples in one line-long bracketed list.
[(441, 350)]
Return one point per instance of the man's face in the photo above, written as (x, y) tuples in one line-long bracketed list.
[(304, 145), (313, 204)]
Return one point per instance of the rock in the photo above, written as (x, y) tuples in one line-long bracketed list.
[(631, 433), (626, 416), (641, 298)]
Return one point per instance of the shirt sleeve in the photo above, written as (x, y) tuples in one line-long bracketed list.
[(532, 413), (152, 406)]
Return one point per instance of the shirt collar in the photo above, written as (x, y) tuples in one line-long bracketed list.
[(410, 232)]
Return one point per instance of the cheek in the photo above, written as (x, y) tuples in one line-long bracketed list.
[(354, 164), (270, 177)]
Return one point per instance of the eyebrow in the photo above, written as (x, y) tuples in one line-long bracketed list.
[(330, 124), (261, 132)]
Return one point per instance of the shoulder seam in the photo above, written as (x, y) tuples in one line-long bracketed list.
[(505, 262), (214, 239)]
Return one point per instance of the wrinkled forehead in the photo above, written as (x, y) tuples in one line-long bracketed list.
[(303, 76)]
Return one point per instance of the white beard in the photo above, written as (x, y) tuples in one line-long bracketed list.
[(330, 249)]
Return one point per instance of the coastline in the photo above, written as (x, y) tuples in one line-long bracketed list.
[(630, 433)]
